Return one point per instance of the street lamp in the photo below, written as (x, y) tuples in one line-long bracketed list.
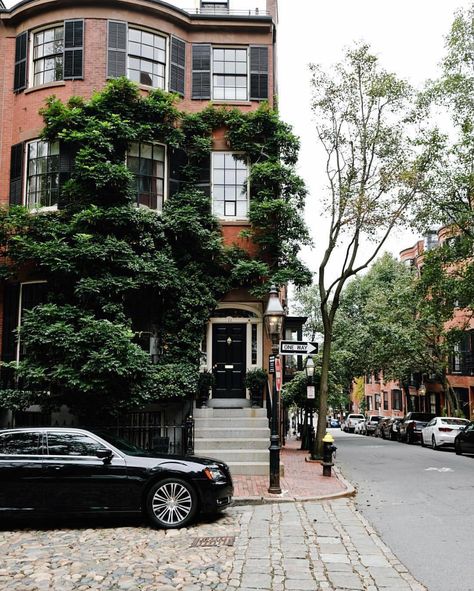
[(273, 317), (309, 370)]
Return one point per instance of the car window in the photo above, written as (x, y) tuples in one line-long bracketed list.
[(431, 423), (470, 427), (22, 444), (455, 421), (72, 444)]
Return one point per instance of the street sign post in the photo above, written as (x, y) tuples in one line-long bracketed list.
[(298, 348)]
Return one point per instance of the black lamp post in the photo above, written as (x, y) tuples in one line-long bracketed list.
[(309, 370), (273, 317)]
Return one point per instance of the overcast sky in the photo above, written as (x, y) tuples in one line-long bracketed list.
[(408, 37)]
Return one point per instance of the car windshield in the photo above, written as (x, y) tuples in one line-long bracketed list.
[(454, 421), (122, 444)]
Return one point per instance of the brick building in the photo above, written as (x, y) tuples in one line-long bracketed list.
[(218, 51)]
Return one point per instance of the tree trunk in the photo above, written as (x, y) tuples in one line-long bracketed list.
[(323, 393)]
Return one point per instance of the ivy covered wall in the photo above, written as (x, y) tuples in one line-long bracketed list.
[(118, 274)]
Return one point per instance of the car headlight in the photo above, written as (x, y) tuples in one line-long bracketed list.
[(214, 474)]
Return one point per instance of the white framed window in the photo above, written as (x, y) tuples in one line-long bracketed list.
[(229, 74), (229, 185), (42, 174), (148, 164), (146, 58), (48, 55)]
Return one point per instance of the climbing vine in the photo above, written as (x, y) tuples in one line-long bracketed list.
[(119, 276)]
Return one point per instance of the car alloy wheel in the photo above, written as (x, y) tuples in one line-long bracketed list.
[(433, 442), (171, 503)]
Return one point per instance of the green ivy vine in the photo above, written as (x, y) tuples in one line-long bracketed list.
[(117, 273)]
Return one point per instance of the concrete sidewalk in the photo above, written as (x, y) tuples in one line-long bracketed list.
[(303, 481)]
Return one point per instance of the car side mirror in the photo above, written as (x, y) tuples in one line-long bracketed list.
[(105, 454)]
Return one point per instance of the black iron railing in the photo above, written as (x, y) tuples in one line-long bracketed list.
[(166, 439), (223, 11)]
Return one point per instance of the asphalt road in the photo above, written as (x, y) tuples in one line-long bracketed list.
[(421, 503)]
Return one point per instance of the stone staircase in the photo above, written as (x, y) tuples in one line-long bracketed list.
[(240, 437)]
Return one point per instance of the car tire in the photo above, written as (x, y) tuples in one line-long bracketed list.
[(422, 441), (434, 445), (409, 439), (171, 503), (458, 449), (382, 434)]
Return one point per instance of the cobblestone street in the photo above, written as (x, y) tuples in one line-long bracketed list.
[(278, 547)]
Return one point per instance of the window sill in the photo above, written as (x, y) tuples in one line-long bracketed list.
[(234, 222), (43, 86), (229, 102), (45, 209)]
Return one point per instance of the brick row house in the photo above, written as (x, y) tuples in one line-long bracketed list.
[(220, 51), (425, 394)]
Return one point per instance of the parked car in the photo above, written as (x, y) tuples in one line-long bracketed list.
[(361, 427), (76, 471), (411, 426), (464, 440), (380, 424), (334, 423), (350, 422), (442, 431), (390, 428), (371, 424)]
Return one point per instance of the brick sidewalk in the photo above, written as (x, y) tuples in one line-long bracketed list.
[(302, 480)]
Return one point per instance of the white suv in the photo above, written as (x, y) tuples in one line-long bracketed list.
[(351, 421)]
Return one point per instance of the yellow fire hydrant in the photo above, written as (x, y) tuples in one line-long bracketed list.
[(328, 450)]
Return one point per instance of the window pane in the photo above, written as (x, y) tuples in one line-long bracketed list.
[(134, 35), (148, 167), (23, 443), (72, 444)]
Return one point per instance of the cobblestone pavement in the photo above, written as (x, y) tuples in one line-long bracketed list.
[(278, 547)]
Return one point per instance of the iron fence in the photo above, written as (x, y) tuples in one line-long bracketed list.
[(166, 439)]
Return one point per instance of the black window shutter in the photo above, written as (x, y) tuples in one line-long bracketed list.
[(177, 161), (73, 49), (117, 50), (201, 72), (258, 73), (16, 174), (177, 65), (11, 302), (21, 45), (204, 182)]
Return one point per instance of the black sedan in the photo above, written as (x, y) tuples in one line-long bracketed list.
[(464, 442), (76, 471)]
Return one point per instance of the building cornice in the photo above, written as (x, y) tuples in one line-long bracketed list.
[(158, 8)]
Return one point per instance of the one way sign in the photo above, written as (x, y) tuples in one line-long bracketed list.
[(298, 348)]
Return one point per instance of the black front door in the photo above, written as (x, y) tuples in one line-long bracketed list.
[(228, 360)]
